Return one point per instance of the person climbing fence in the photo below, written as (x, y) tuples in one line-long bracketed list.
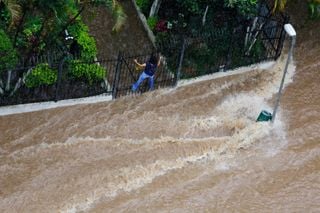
[(149, 70)]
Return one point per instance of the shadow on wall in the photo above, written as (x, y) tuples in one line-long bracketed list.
[(131, 39)]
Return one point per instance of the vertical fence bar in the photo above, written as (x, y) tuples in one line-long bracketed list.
[(230, 51), (58, 85), (282, 37), (181, 61), (116, 79)]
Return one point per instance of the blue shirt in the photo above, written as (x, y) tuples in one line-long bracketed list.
[(150, 69)]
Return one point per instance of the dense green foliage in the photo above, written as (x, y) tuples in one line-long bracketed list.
[(43, 32), (244, 7), (152, 22), (38, 26), (144, 5), (89, 72), (314, 9), (42, 74), (27, 38), (8, 55), (87, 44), (197, 7), (5, 18)]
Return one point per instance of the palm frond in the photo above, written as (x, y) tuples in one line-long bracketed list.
[(14, 9), (119, 16), (279, 5)]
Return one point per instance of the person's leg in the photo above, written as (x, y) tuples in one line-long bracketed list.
[(151, 82), (140, 80)]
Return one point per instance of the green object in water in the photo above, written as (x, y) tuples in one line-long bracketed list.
[(264, 116)]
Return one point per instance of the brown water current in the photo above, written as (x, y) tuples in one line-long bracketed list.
[(195, 148)]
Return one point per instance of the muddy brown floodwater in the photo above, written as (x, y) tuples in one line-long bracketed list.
[(194, 148)]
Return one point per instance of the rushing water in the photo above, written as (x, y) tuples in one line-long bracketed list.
[(195, 148)]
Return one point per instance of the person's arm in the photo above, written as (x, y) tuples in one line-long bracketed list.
[(140, 65)]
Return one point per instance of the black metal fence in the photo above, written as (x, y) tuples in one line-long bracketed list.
[(127, 72), (225, 48), (121, 73), (185, 56)]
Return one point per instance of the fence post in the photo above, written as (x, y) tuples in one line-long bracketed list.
[(230, 51), (181, 61), (116, 79), (282, 37), (60, 68)]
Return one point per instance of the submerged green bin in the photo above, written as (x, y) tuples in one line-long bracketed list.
[(264, 116)]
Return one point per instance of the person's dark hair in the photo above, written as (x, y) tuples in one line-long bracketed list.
[(153, 59)]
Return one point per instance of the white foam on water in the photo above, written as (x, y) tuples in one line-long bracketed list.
[(131, 178), (238, 112), (273, 83), (236, 115), (222, 166)]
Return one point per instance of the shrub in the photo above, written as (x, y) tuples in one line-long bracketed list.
[(314, 9), (32, 26), (42, 74), (8, 55), (87, 44), (152, 22), (143, 5), (90, 72), (244, 7)]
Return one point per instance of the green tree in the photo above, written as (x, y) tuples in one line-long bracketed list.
[(39, 25)]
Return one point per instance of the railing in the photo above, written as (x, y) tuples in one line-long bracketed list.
[(220, 49), (185, 56), (121, 73)]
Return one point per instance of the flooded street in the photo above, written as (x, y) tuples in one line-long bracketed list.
[(194, 148)]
